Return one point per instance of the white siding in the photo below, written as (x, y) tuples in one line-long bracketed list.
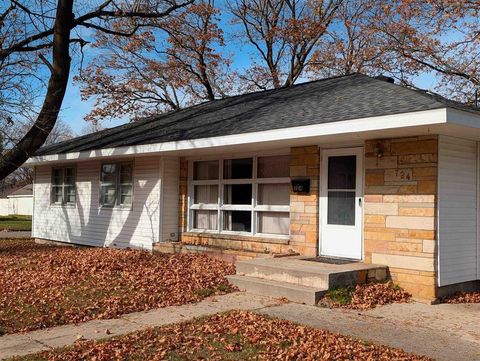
[(87, 223), (170, 190), (457, 211)]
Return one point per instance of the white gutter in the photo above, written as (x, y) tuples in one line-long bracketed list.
[(428, 117)]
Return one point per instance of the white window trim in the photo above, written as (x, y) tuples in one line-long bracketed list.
[(117, 206), (63, 203), (254, 208)]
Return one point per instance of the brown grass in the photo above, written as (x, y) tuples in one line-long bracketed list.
[(43, 286)]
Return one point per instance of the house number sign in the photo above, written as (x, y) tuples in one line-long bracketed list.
[(301, 185)]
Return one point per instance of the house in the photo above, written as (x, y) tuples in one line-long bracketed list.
[(17, 202), (350, 167)]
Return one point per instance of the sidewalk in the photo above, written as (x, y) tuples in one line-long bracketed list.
[(35, 341), (443, 332), (15, 234)]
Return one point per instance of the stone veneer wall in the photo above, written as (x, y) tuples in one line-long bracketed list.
[(304, 216), (400, 210)]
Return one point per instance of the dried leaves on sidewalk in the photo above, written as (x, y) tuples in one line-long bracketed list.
[(232, 336), (43, 286), (463, 297), (367, 296)]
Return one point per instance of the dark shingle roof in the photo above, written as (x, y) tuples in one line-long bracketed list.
[(323, 101)]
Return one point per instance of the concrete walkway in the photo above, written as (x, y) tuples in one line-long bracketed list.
[(31, 342), (442, 332), (15, 234)]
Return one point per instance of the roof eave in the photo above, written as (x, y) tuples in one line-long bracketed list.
[(402, 120)]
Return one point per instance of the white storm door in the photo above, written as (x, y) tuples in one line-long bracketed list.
[(341, 198)]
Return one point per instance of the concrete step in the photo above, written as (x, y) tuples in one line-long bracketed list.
[(300, 272), (271, 288)]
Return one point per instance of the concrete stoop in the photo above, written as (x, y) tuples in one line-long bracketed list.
[(299, 280)]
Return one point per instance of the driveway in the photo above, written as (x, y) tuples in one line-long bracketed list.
[(444, 332)]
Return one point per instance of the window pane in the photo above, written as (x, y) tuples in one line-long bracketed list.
[(70, 194), (207, 194), (205, 220), (57, 194), (274, 166), (109, 173), (341, 208), (239, 221), (57, 176), (206, 170), (273, 222), (126, 171), (108, 195), (274, 194), (238, 168), (237, 194), (70, 176), (126, 194), (342, 172)]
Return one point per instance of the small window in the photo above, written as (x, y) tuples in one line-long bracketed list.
[(63, 186), (116, 188)]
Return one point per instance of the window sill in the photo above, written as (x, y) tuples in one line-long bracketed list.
[(63, 206), (235, 237)]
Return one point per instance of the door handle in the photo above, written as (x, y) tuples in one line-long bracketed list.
[(359, 201)]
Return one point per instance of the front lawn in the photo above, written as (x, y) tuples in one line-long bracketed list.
[(43, 286), (15, 223), (236, 335), (364, 297)]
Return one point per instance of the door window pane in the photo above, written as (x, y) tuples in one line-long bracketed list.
[(274, 194), (273, 222), (205, 220), (237, 194), (238, 221), (274, 166), (238, 168), (342, 172), (205, 170), (341, 208)]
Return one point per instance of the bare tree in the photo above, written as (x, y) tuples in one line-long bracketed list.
[(284, 34), (151, 72), (441, 37), (48, 33)]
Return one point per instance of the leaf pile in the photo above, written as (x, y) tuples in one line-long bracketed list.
[(366, 296), (43, 286), (237, 335), (462, 297)]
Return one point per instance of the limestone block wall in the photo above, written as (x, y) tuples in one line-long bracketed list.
[(304, 215), (400, 210)]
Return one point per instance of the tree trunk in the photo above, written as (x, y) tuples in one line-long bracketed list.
[(57, 84)]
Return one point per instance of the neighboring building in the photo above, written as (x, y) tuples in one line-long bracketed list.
[(18, 202), (389, 176)]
